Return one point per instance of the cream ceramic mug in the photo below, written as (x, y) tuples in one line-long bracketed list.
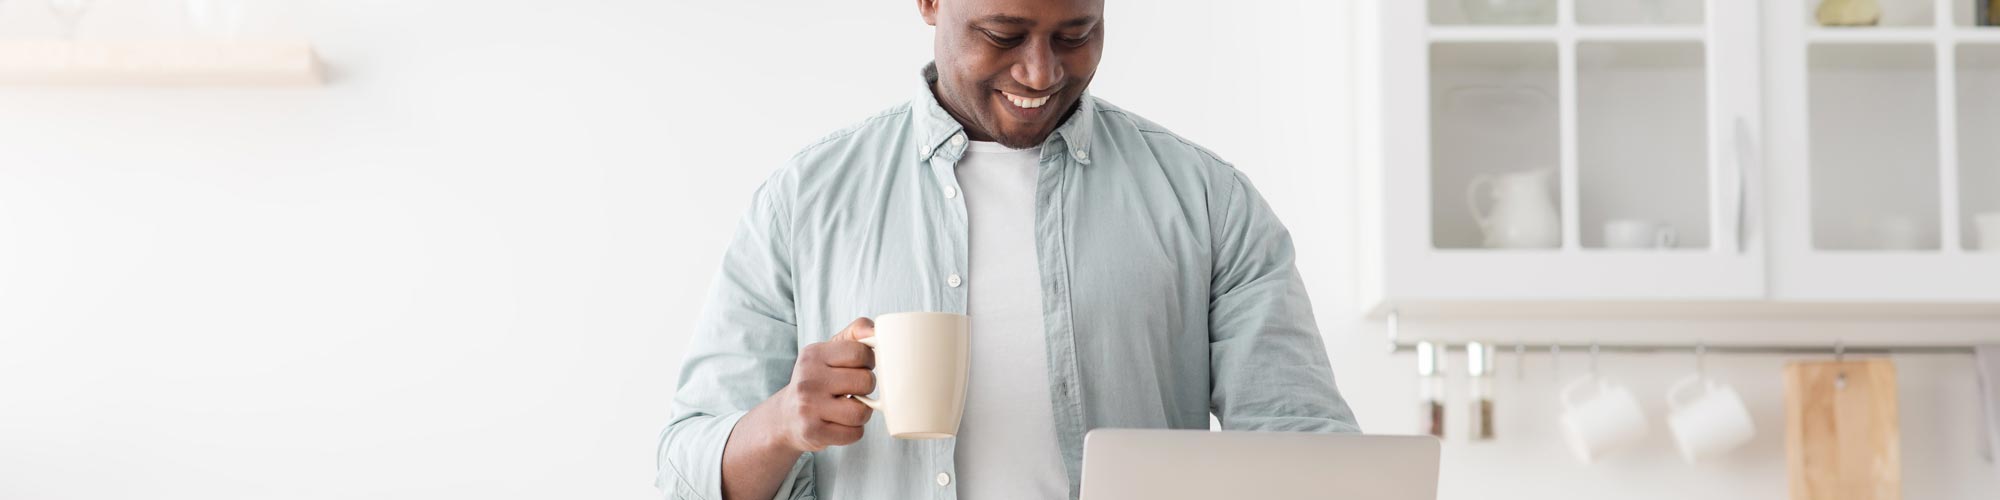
[(921, 362)]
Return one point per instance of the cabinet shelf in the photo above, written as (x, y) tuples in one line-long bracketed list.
[(1581, 33), (1679, 309), (1894, 35), (1980, 36), (1875, 35)]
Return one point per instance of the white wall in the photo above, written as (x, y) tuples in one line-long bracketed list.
[(467, 267)]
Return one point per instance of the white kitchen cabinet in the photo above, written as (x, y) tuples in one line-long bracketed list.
[(1829, 168), (1644, 110), (1885, 148)]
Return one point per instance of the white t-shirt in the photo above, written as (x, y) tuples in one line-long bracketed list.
[(1007, 440)]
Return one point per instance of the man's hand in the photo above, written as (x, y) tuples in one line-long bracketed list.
[(814, 411), (809, 414)]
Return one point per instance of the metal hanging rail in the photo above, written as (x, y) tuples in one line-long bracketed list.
[(1835, 348)]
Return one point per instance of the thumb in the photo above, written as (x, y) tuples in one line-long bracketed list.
[(861, 328)]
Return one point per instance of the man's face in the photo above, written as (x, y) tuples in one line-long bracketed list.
[(1012, 70)]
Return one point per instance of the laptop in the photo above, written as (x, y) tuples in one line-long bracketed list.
[(1130, 464)]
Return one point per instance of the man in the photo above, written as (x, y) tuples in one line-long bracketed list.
[(1116, 275)]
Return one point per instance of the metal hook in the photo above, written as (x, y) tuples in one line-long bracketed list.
[(1839, 360), (1520, 360), (1555, 360), (1700, 364), (1593, 359)]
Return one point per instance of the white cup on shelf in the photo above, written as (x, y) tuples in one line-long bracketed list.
[(1898, 232), (1987, 224), (1606, 422), (1638, 233), (1711, 423)]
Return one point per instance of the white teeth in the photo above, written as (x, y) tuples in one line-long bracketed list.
[(1027, 103)]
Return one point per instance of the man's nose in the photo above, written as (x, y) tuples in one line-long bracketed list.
[(1039, 69)]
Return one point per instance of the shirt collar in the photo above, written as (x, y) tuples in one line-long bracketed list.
[(935, 127)]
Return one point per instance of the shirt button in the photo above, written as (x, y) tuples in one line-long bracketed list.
[(950, 192), (1082, 155), (958, 139), (953, 280), (943, 479)]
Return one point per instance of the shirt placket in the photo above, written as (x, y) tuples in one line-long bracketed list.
[(1052, 252), (940, 470)]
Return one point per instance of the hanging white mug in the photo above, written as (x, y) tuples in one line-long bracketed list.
[(1604, 423), (1710, 424), (218, 19)]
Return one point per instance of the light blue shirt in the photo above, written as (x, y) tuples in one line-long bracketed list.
[(1168, 289)]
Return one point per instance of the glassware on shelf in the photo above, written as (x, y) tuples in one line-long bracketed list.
[(1849, 13), (1510, 11), (69, 12)]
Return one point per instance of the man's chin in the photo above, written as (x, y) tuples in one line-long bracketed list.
[(1023, 140)]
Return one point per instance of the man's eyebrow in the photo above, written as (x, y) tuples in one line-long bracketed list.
[(1081, 21), (1022, 21)]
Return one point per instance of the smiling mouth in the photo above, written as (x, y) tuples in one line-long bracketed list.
[(1027, 102), (1025, 110)]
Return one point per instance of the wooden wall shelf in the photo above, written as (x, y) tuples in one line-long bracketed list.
[(169, 63)]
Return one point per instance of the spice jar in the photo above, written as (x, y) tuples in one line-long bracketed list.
[(1479, 376), (1430, 389)]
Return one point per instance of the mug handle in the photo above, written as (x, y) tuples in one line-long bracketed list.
[(1472, 191), (1665, 237), (875, 404), (1570, 390), (1673, 395)]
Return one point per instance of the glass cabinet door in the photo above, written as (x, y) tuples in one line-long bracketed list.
[(1567, 150), (1890, 153)]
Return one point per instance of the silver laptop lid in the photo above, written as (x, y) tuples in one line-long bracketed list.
[(1122, 464)]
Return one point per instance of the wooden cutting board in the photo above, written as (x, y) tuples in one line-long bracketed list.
[(1842, 443)]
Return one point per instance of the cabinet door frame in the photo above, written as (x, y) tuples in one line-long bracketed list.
[(1802, 272), (1401, 265)]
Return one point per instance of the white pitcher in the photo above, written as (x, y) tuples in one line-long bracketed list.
[(1524, 213)]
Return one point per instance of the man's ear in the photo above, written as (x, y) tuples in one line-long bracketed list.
[(929, 10)]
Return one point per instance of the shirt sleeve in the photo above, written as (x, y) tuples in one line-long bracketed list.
[(742, 352), (1268, 366)]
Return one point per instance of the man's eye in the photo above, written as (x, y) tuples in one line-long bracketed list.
[(1074, 42), (1003, 41)]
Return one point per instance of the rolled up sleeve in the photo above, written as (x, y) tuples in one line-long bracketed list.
[(742, 352), (1268, 365)]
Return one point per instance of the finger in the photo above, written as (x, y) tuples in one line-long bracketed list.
[(832, 434), (845, 355), (845, 381), (846, 411), (861, 328)]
